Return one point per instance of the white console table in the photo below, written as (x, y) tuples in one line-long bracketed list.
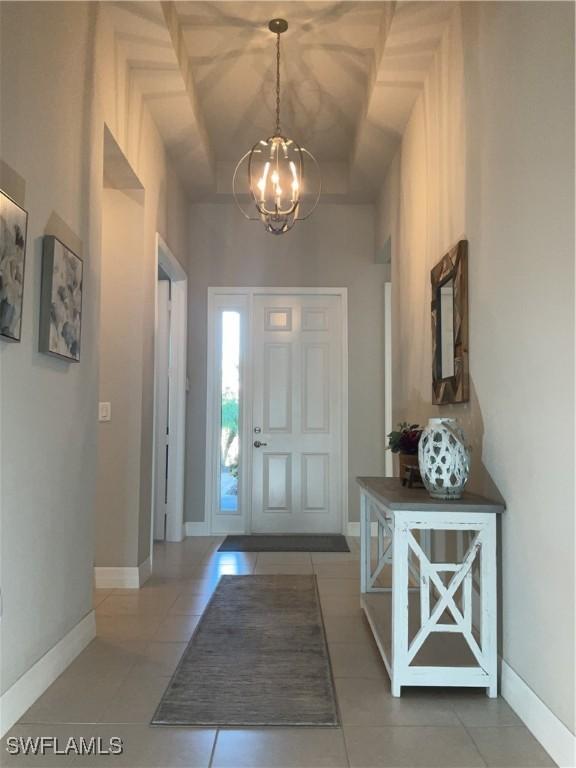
[(436, 624)]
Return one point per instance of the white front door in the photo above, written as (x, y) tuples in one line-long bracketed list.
[(297, 414)]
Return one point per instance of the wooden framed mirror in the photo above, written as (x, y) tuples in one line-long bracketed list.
[(450, 381)]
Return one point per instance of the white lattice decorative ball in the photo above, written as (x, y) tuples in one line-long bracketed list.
[(444, 459)]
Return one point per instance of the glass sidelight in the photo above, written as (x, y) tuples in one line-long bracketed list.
[(229, 412)]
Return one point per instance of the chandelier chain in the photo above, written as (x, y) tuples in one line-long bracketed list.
[(278, 83)]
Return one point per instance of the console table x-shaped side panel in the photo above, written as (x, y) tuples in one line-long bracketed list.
[(396, 545)]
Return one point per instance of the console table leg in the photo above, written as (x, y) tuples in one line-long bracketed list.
[(400, 605), (364, 544), (488, 616)]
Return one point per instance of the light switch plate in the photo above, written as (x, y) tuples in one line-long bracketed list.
[(104, 411)]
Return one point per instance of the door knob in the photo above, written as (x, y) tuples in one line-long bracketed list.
[(258, 444)]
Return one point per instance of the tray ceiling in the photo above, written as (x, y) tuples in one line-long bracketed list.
[(351, 72)]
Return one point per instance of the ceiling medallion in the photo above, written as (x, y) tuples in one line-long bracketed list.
[(279, 190)]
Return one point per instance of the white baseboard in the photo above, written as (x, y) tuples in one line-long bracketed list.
[(197, 529), (354, 529), (144, 571), (116, 578), (122, 578), (20, 696), (551, 732)]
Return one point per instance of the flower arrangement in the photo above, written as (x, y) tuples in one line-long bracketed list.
[(405, 439)]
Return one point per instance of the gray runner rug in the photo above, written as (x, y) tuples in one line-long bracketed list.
[(285, 543), (257, 657)]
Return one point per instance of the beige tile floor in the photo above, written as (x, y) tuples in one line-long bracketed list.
[(113, 687)]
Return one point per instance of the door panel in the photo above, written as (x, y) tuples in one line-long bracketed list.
[(278, 319), (316, 388), (314, 319), (315, 481), (278, 387), (277, 482), (297, 370)]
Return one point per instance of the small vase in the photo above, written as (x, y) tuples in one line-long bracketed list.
[(407, 460), (444, 459)]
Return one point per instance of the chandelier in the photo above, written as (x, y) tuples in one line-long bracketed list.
[(279, 191)]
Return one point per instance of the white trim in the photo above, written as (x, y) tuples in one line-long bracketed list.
[(211, 399), (343, 293), (197, 529), (116, 578), (24, 692), (388, 458), (144, 571), (238, 301), (230, 296), (178, 343), (123, 578), (551, 732), (161, 409)]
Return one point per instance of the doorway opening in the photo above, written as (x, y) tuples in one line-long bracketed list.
[(171, 297)]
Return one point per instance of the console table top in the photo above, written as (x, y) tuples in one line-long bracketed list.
[(390, 492)]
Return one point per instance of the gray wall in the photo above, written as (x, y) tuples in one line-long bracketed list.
[(335, 247), (48, 406), (62, 77), (488, 154), (131, 220), (520, 212), (119, 441)]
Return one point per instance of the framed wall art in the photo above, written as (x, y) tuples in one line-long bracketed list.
[(60, 301), (450, 383), (13, 227)]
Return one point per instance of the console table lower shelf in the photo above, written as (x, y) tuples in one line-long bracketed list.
[(443, 660), (436, 624)]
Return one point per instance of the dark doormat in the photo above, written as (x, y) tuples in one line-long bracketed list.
[(285, 543), (257, 657)]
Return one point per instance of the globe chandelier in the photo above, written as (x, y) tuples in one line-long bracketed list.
[(274, 168)]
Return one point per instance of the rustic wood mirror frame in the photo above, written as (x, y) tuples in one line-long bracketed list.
[(454, 266)]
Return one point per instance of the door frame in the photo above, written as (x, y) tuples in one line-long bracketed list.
[(177, 397), (388, 426), (242, 299), (161, 405)]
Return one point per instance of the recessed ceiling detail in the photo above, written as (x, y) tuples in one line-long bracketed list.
[(329, 54), (351, 73)]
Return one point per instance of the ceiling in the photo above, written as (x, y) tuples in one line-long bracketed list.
[(329, 54), (351, 72)]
